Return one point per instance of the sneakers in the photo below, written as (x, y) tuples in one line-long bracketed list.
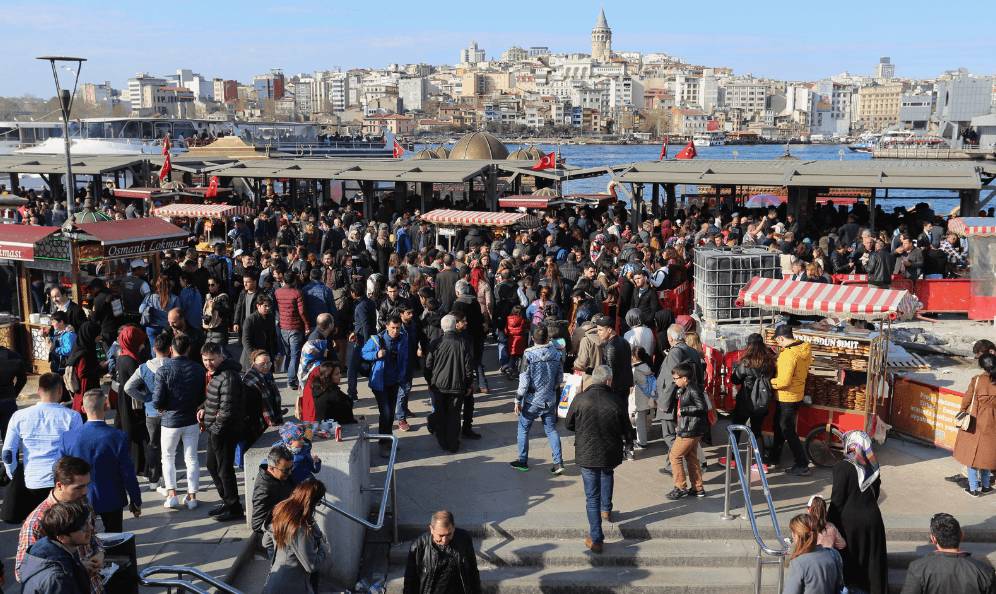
[(799, 471), (971, 493), (404, 426), (677, 494), (519, 465), (700, 493), (161, 490), (217, 511), (172, 502), (606, 516), (986, 490), (558, 469), (190, 502)]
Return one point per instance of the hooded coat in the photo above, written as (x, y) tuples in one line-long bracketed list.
[(49, 569)]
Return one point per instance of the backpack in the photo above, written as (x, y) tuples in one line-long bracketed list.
[(70, 379), (760, 393), (650, 388), (366, 367)]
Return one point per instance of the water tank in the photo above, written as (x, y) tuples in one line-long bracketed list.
[(720, 274)]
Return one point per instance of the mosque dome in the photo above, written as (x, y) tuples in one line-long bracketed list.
[(442, 152), (479, 145), (545, 192), (425, 154)]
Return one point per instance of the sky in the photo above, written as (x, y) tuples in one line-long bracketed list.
[(234, 40)]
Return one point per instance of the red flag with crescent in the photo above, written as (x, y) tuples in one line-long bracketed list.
[(688, 152), (548, 161), (398, 150), (212, 191)]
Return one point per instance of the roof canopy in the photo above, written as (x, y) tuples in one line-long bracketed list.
[(130, 238), (466, 218), (17, 242), (850, 301), (383, 170), (56, 164), (213, 211), (973, 226), (892, 173)]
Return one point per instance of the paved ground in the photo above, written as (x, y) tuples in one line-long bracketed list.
[(487, 495)]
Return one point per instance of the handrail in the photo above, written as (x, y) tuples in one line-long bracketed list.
[(388, 491), (145, 578), (733, 448)]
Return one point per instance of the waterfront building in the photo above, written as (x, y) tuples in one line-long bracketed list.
[(101, 95), (746, 94), (601, 39), (688, 122), (915, 110), (137, 86), (225, 91), (878, 106), (399, 125), (270, 86)]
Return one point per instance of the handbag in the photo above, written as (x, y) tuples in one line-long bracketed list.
[(963, 420), (572, 385)]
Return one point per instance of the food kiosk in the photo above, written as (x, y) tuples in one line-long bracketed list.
[(448, 222), (848, 382)]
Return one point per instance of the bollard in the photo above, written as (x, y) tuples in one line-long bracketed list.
[(726, 489)]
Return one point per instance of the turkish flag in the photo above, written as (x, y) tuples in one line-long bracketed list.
[(398, 150), (663, 150), (688, 152), (212, 191), (166, 168), (166, 145), (548, 161)]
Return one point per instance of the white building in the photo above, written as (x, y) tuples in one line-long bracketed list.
[(413, 93), (963, 97), (472, 54), (201, 87), (915, 110), (601, 39), (885, 69), (746, 94), (137, 86)]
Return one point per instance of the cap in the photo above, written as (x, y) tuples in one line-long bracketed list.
[(603, 320), (238, 253), (138, 264), (784, 330)]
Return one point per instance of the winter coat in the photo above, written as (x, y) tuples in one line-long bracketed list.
[(393, 368), (691, 409), (267, 492), (679, 353), (517, 329), (364, 320), (617, 355), (641, 399), (423, 561), (542, 373), (224, 406), (153, 311), (601, 427), (178, 392), (791, 372), (745, 377), (306, 554), (217, 311), (258, 332), (47, 568), (976, 448), (475, 323), (589, 351), (449, 365), (942, 572), (290, 310)]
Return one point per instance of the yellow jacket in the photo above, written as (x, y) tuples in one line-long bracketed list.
[(791, 372)]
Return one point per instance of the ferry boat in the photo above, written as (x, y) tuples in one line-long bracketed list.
[(709, 139)]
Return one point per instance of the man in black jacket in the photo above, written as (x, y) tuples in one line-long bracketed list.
[(446, 282), (602, 429), (273, 485), (442, 560), (643, 297), (104, 310), (948, 568), (617, 355), (467, 305), (222, 419), (259, 331), (449, 371), (678, 353), (60, 301)]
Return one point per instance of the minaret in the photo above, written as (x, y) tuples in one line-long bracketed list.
[(601, 39)]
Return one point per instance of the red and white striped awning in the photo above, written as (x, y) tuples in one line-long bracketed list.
[(850, 301), (973, 226), (211, 211), (466, 218), (524, 201)]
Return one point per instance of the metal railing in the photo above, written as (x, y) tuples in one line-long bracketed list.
[(183, 585), (389, 492), (779, 550)]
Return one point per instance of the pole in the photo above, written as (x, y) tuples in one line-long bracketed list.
[(66, 105)]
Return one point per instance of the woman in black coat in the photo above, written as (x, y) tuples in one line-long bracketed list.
[(752, 376), (854, 510)]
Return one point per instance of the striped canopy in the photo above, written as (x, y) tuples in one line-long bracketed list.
[(850, 301), (212, 211), (973, 226), (526, 201), (465, 218)]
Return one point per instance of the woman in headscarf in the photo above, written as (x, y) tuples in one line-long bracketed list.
[(86, 366), (854, 510), (130, 418)]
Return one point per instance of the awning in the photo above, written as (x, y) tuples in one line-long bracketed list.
[(465, 218), (212, 211), (849, 301), (973, 226), (142, 193), (524, 201), (131, 237), (17, 242)]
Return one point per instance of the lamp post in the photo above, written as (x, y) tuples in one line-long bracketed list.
[(66, 105)]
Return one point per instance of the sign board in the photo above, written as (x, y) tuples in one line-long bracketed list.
[(11, 251), (925, 412)]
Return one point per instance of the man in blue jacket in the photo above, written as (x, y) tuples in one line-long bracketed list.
[(112, 474), (388, 351), (364, 326), (542, 374)]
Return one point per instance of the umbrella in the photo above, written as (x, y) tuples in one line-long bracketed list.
[(764, 200)]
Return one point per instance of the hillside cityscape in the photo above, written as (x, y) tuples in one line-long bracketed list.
[(536, 91)]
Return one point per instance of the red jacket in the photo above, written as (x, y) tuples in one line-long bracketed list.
[(290, 309), (517, 328)]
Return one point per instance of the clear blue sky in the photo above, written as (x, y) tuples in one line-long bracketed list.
[(793, 40)]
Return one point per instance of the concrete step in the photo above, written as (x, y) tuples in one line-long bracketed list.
[(902, 553)]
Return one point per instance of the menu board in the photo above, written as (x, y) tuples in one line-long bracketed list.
[(925, 412)]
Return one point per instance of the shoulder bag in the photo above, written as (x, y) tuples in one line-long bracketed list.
[(963, 420)]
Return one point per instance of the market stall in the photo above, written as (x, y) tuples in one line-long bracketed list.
[(214, 213), (981, 234), (448, 222), (847, 383)]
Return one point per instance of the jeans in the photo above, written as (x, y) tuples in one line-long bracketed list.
[(353, 372), (404, 389), (549, 420), (598, 498), (170, 440), (220, 452), (154, 454), (974, 477), (387, 401), (294, 339), (785, 420), (502, 348), (482, 380)]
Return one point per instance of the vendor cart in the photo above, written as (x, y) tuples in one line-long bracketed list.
[(847, 383), (447, 222), (214, 213)]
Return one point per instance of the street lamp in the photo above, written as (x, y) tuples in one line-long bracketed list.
[(66, 105)]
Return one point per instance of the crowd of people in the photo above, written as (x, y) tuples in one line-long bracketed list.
[(192, 346)]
